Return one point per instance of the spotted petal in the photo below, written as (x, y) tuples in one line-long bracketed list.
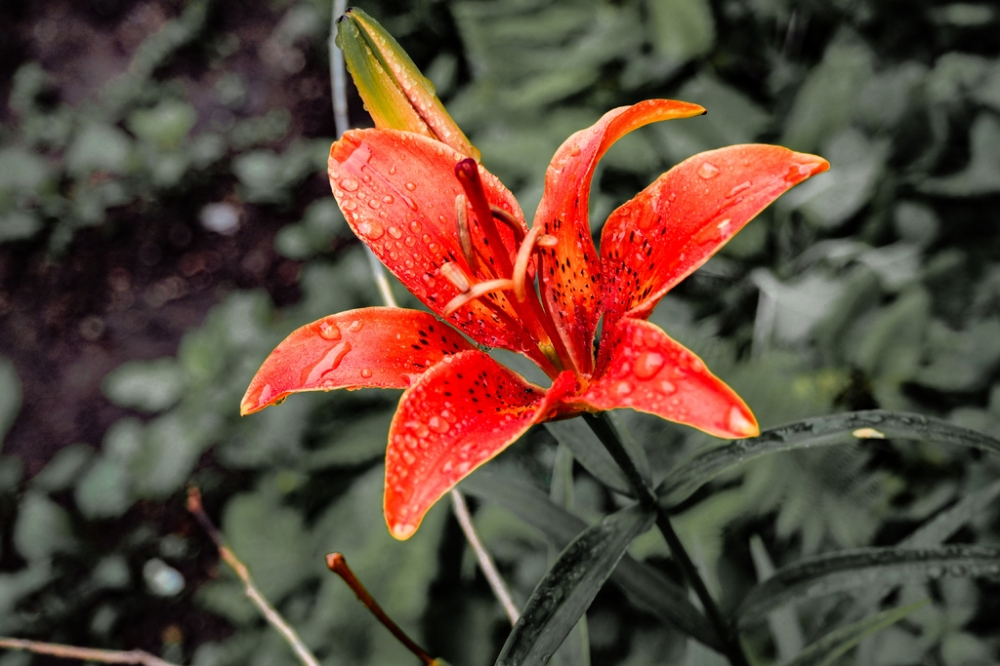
[(370, 347), (397, 191), (650, 372), (571, 270), (672, 227), (460, 414)]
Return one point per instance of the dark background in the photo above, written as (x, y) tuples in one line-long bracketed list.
[(165, 221)]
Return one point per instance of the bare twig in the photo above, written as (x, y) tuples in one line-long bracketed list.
[(229, 557), (84, 654), (486, 563), (337, 563)]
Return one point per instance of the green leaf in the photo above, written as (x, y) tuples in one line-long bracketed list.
[(682, 29), (822, 431), (10, 397), (568, 588), (43, 528), (64, 469), (149, 386), (577, 436), (946, 523), (982, 174), (828, 649), (649, 587), (866, 568), (271, 541)]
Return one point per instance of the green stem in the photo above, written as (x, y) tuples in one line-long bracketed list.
[(607, 432)]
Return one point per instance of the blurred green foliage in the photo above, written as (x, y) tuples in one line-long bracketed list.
[(875, 285)]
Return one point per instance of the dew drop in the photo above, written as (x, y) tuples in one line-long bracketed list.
[(355, 326), (575, 151), (392, 170), (329, 330), (409, 457), (388, 199), (349, 184), (438, 425), (410, 186), (349, 205), (366, 373), (667, 387), (373, 203), (707, 170), (403, 530), (623, 389), (371, 229), (648, 364), (395, 232), (742, 187)]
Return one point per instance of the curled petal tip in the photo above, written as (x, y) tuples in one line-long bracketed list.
[(742, 423), (402, 531)]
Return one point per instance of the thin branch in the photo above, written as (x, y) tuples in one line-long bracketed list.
[(337, 563), (338, 79), (229, 557), (486, 563), (84, 654)]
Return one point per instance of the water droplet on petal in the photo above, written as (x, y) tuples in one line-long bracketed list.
[(395, 232), (438, 425), (371, 229), (355, 326), (349, 205), (648, 364), (410, 186), (707, 170), (403, 530), (366, 373), (623, 389), (739, 188), (373, 203), (409, 457), (388, 199), (667, 387), (329, 330), (349, 184)]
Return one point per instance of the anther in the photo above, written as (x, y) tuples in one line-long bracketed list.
[(464, 235), (476, 292), (545, 240), (453, 273)]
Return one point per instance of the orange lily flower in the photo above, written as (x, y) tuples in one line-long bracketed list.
[(456, 237)]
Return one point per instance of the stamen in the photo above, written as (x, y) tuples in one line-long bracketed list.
[(501, 215), (476, 292), (467, 172), (521, 263), (464, 235), (454, 274)]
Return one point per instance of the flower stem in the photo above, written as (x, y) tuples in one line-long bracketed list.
[(608, 433)]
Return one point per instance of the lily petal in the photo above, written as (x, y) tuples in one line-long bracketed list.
[(672, 227), (370, 347), (650, 372), (460, 414), (570, 270), (397, 191)]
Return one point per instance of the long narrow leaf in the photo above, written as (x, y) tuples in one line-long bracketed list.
[(644, 584), (575, 435), (946, 523), (865, 568), (822, 431), (828, 649), (569, 587)]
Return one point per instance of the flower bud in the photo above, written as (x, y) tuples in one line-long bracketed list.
[(394, 91)]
